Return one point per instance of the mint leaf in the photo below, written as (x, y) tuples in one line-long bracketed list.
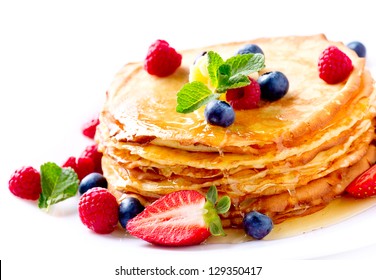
[(223, 77), (192, 96), (246, 64), (214, 62), (57, 183)]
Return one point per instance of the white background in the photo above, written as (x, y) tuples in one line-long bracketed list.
[(57, 59)]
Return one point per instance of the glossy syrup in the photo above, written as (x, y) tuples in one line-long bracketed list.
[(337, 211)]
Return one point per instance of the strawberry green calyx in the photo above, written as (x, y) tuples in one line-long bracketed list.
[(214, 208)]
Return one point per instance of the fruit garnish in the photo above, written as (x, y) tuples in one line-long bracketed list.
[(364, 185), (334, 65), (25, 183), (219, 113), (161, 59), (244, 98), (129, 208), (89, 128), (57, 184), (98, 210), (181, 218), (250, 48), (257, 225), (273, 85), (82, 166), (358, 47), (223, 75), (92, 152), (91, 181)]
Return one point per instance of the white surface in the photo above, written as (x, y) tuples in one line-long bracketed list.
[(56, 62)]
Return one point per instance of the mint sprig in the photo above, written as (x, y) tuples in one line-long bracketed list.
[(223, 75), (213, 209), (57, 183)]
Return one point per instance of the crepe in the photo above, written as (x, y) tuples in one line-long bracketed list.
[(286, 158)]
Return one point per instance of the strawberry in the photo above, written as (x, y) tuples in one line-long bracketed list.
[(364, 185), (180, 218)]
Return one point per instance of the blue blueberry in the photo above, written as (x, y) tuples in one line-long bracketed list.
[(219, 113), (92, 180), (358, 47), (257, 225), (250, 48), (274, 85), (200, 55), (129, 208)]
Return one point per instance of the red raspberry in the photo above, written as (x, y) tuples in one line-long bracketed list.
[(89, 128), (244, 98), (162, 60), (98, 210), (82, 166), (92, 152), (25, 183), (334, 65)]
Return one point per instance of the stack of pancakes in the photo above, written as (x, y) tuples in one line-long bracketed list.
[(286, 158)]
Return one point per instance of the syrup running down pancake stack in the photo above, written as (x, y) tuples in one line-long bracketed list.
[(285, 158)]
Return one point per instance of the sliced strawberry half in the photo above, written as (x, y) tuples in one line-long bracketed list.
[(180, 218), (364, 185)]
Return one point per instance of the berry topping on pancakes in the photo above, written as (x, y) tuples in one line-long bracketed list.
[(274, 85), (246, 97), (181, 218), (162, 60), (334, 65)]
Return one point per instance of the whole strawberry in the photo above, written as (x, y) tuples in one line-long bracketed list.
[(25, 183), (161, 59), (334, 65), (98, 210), (180, 218), (364, 185), (244, 98)]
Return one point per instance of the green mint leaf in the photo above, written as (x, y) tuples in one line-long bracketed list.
[(246, 64), (57, 183), (192, 96), (223, 77), (236, 81), (214, 62), (212, 195), (223, 205)]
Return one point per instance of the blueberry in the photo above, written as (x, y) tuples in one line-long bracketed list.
[(129, 208), (250, 48), (358, 47), (199, 56), (92, 180), (219, 113), (274, 85), (257, 225)]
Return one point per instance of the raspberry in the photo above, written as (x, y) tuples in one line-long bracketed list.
[(89, 128), (98, 210), (334, 65), (25, 183), (82, 166), (92, 152), (246, 97), (162, 60)]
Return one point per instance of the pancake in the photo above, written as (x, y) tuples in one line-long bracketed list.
[(285, 158)]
